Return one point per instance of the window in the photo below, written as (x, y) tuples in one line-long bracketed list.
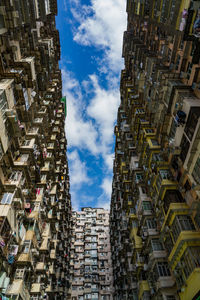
[(172, 196), (151, 223), (192, 122), (197, 220), (173, 129), (191, 260), (2, 23), (134, 224), (132, 210), (7, 198), (26, 143), (26, 245), (196, 171), (163, 269), (139, 111), (185, 144), (181, 223), (149, 130), (145, 295), (165, 174), (157, 157), (146, 205), (178, 61), (154, 142), (138, 177), (26, 98), (43, 177), (156, 245), (19, 274), (1, 151), (3, 104)]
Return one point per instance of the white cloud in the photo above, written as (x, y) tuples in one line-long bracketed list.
[(90, 127), (75, 200), (80, 132), (78, 170), (103, 109), (103, 201), (107, 186), (102, 25), (108, 159), (90, 121)]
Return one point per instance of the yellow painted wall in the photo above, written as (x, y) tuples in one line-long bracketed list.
[(193, 286)]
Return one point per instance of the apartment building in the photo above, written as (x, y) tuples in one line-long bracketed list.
[(90, 257), (155, 205), (35, 204)]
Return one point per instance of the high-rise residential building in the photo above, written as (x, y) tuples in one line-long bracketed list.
[(35, 205), (155, 205), (90, 259)]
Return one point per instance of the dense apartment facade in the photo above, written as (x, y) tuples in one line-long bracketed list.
[(90, 259), (35, 204), (155, 205)]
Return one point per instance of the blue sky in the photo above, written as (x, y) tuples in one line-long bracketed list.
[(91, 34)]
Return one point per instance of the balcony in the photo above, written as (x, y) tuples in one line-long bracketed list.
[(53, 138), (185, 239), (50, 146), (15, 180), (28, 63), (40, 267), (18, 289), (146, 212), (157, 254), (145, 208), (174, 208), (44, 245), (135, 238), (28, 146), (191, 288), (7, 211), (25, 256), (16, 127), (149, 231), (36, 288), (38, 122), (143, 288), (46, 167), (33, 132), (22, 161), (164, 182), (165, 282), (42, 112)]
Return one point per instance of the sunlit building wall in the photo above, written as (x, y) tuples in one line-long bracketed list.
[(155, 208), (35, 204), (90, 259)]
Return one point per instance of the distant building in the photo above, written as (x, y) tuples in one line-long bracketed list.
[(35, 204), (90, 259), (155, 205)]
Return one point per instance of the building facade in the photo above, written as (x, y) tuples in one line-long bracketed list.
[(90, 259), (35, 204), (155, 205)]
